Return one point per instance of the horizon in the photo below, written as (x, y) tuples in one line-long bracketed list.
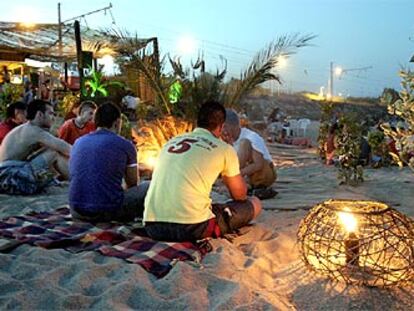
[(376, 35)]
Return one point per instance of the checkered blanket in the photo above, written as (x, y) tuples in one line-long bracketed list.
[(57, 229)]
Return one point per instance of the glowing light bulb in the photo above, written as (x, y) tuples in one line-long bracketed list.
[(348, 221), (151, 161), (186, 45), (281, 61), (338, 71)]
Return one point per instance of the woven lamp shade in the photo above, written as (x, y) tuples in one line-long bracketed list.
[(359, 242)]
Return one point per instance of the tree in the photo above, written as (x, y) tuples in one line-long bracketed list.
[(403, 132), (197, 85), (97, 84), (10, 93), (350, 172)]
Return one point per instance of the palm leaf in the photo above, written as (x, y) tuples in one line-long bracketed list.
[(199, 64), (101, 89), (260, 69), (178, 67), (129, 47)]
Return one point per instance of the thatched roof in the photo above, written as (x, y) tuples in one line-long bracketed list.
[(41, 42)]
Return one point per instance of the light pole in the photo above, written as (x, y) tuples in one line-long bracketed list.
[(330, 82), (59, 30), (338, 71)]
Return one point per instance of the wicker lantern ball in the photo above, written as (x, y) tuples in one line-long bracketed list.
[(359, 242)]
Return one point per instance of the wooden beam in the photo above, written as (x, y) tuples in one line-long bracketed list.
[(79, 56)]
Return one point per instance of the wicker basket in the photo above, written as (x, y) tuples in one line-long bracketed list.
[(359, 242)]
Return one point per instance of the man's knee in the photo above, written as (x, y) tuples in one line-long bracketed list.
[(245, 152), (257, 206), (50, 156), (142, 190)]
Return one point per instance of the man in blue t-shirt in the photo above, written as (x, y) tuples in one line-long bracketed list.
[(98, 163)]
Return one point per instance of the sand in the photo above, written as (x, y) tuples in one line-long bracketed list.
[(260, 270)]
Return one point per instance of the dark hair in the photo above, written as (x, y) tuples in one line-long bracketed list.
[(87, 104), (211, 115), (333, 128), (106, 115), (35, 106), (12, 107)]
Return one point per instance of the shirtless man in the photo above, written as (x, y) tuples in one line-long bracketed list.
[(32, 148)]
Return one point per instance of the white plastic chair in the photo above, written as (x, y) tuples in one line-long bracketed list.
[(273, 130), (303, 125), (292, 130)]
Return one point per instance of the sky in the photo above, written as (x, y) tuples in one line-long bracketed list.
[(353, 34)]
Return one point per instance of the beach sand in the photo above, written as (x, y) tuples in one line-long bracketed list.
[(260, 270)]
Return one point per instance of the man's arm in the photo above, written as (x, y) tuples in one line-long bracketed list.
[(54, 143), (256, 165), (131, 176), (237, 187)]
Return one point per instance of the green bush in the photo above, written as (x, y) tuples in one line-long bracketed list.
[(10, 94), (403, 108), (350, 172)]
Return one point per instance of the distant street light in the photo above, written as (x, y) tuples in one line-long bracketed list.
[(282, 61), (338, 71), (186, 45)]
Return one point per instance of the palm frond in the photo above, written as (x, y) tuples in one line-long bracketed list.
[(131, 47), (199, 64), (177, 67), (260, 69)]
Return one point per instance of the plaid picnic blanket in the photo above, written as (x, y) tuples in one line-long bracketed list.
[(57, 229)]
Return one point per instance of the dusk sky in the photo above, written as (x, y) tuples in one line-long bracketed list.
[(351, 33)]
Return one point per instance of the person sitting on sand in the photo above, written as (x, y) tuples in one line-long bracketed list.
[(29, 154), (98, 163), (178, 205), (330, 144), (15, 115), (76, 127), (256, 163)]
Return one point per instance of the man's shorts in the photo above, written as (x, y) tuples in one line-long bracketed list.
[(20, 177), (131, 208), (230, 216), (40, 167)]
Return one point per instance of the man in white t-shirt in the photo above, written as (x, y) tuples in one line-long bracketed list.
[(178, 205), (256, 163)]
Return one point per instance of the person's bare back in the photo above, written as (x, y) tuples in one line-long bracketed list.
[(32, 140), (25, 140)]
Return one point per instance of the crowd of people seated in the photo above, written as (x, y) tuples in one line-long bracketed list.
[(103, 173)]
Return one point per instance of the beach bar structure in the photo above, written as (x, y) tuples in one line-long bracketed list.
[(57, 43)]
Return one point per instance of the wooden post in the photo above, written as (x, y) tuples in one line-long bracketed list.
[(156, 55), (95, 63), (66, 76), (79, 57)]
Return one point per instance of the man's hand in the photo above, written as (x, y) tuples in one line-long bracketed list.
[(257, 164)]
